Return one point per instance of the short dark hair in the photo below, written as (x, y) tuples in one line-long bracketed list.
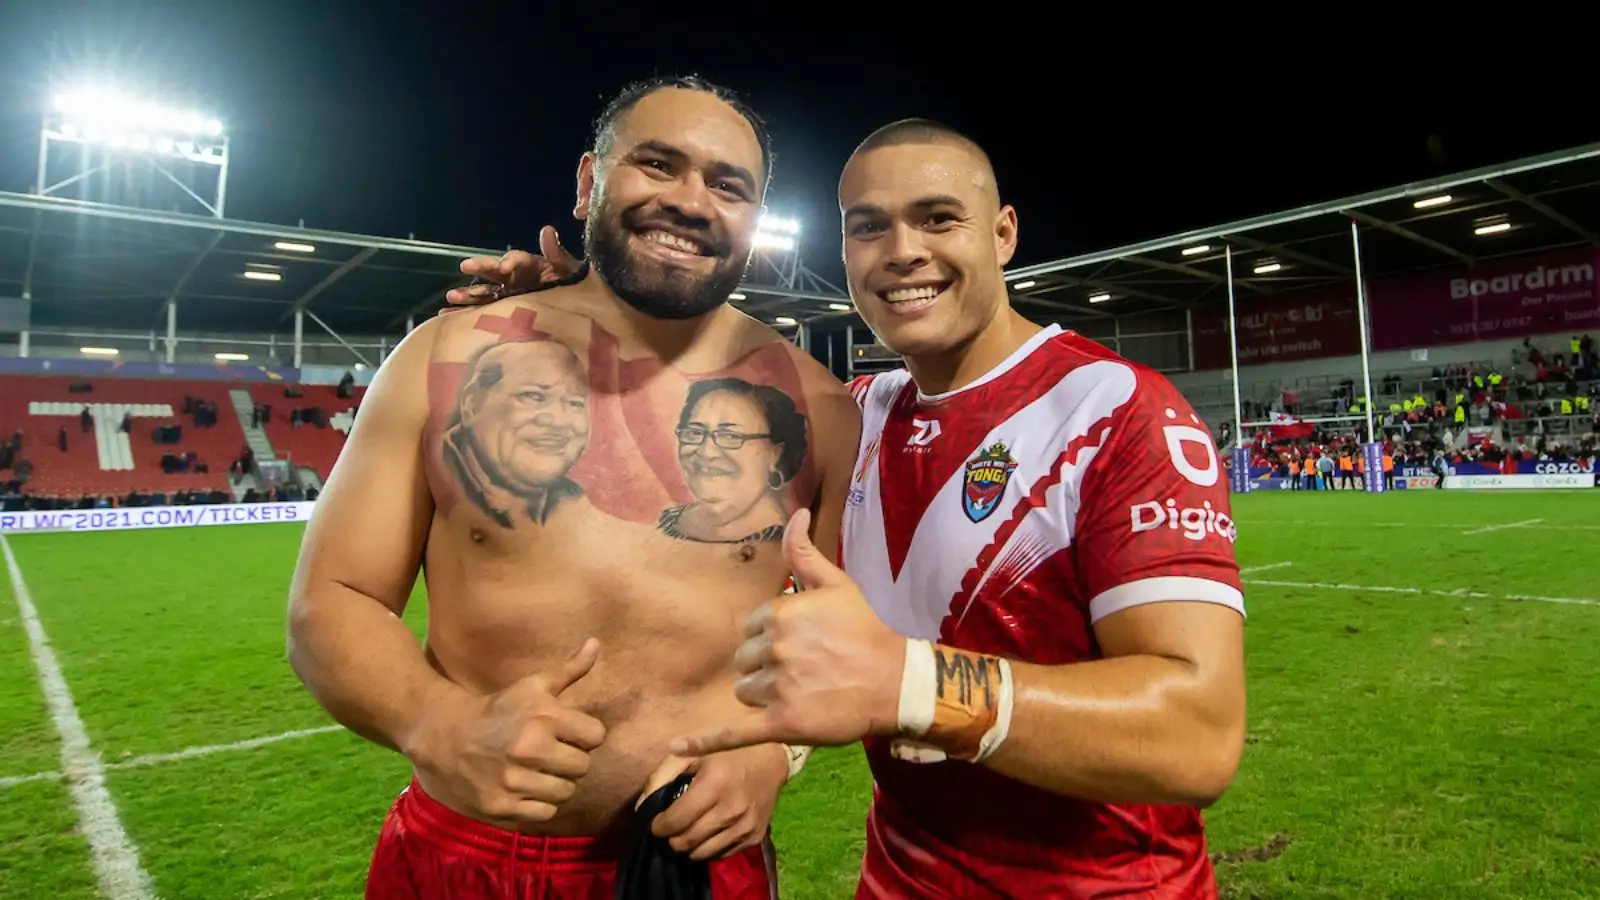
[(924, 131), (786, 425), (605, 127)]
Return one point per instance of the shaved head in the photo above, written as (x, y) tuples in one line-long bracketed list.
[(926, 242), (929, 132)]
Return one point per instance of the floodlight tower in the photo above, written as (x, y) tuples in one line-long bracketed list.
[(777, 244), (109, 128), (776, 261), (776, 270)]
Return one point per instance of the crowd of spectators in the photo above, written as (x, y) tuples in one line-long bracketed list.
[(1538, 400), (1298, 457)]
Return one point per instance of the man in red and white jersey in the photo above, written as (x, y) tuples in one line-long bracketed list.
[(1040, 636)]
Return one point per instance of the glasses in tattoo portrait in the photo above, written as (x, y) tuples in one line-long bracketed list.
[(521, 421), (739, 447)]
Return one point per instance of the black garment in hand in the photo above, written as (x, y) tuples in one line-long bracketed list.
[(652, 870)]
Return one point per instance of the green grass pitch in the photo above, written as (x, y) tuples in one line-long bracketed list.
[(1424, 716)]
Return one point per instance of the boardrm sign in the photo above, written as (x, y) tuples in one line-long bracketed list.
[(1506, 298), (1537, 278), (129, 518)]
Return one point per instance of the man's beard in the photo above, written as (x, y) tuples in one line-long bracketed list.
[(655, 288)]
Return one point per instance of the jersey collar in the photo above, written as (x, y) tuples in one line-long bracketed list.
[(1006, 365)]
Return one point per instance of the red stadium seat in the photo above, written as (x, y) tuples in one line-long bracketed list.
[(309, 446), (78, 472)]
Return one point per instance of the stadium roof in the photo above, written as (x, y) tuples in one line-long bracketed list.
[(104, 266), (1531, 205), (114, 267)]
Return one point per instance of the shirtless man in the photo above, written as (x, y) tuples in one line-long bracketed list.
[(1038, 628), (594, 480)]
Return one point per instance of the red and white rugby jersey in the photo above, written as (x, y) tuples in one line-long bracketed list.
[(1008, 516)]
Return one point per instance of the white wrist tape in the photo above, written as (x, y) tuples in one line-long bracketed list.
[(954, 704), (797, 759)]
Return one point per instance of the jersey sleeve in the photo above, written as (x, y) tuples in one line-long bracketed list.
[(859, 386), (1154, 520)]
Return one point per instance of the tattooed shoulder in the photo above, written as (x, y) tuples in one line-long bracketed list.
[(512, 419)]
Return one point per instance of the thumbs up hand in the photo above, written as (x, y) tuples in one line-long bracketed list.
[(818, 667), (515, 756)]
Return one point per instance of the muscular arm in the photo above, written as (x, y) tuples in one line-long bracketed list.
[(1160, 717), (1159, 720), (837, 435), (359, 560)]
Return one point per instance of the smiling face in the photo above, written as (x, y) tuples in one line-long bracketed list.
[(671, 210), (527, 403), (925, 239), (734, 476)]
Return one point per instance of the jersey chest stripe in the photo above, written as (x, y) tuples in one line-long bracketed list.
[(977, 577), (968, 423), (945, 543)]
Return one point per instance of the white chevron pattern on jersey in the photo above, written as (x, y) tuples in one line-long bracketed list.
[(946, 545)]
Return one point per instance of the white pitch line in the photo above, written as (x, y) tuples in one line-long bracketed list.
[(13, 780), (1405, 524), (1266, 568), (1488, 528), (1389, 589), (116, 859), (155, 759)]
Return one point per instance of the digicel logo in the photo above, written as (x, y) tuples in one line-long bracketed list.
[(1195, 523)]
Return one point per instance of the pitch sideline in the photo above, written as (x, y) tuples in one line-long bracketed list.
[(116, 859)]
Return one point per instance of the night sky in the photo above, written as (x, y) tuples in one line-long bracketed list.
[(465, 126)]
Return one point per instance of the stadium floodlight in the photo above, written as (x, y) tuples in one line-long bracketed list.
[(231, 357), (1196, 250), (1099, 298), (1268, 268), (1430, 202), (294, 247), (779, 225), (254, 275), (120, 124), (1023, 285), (785, 320), (735, 296), (765, 241), (115, 114), (840, 307), (1495, 228), (99, 351), (777, 233)]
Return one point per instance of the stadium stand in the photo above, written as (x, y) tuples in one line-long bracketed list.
[(324, 420), (1533, 394), (101, 461), (1534, 405), (149, 441)]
